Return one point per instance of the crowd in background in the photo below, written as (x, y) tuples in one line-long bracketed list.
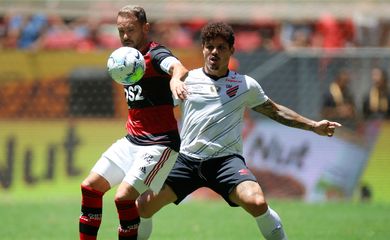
[(53, 32), (339, 101), (42, 31)]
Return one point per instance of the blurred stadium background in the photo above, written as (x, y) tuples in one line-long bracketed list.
[(59, 110)]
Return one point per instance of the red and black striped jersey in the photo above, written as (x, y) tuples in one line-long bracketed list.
[(150, 104)]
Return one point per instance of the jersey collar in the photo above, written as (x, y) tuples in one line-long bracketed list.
[(215, 77)]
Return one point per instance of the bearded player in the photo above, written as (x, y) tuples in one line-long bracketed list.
[(143, 158)]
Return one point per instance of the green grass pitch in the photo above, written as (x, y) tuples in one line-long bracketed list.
[(50, 210), (57, 218)]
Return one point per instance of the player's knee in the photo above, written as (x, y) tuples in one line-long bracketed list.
[(149, 203), (124, 194), (256, 204), (144, 208), (96, 182), (120, 197), (249, 195), (87, 185)]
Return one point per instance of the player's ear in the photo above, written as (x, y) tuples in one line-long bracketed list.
[(146, 28)]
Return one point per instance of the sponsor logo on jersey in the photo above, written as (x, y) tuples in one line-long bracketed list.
[(231, 90), (243, 171), (233, 80)]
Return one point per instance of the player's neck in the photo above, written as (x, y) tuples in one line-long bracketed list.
[(216, 74), (144, 46)]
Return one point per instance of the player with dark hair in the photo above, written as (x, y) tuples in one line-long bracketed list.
[(143, 158), (211, 149), (339, 104), (376, 102)]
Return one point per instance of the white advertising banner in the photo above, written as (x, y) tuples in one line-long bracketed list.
[(290, 162)]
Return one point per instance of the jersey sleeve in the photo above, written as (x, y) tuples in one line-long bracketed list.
[(256, 94), (158, 55)]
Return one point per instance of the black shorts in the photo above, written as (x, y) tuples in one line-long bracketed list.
[(220, 174)]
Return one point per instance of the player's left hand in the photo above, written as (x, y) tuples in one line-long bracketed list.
[(178, 88), (325, 127)]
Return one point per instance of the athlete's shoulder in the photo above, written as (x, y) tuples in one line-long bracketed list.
[(154, 45), (195, 74), (156, 54), (196, 71), (157, 48)]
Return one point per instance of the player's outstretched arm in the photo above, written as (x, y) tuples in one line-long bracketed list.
[(179, 73), (290, 118)]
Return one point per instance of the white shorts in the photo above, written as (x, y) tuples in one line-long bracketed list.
[(143, 167)]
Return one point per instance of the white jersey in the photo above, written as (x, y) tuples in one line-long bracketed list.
[(213, 113)]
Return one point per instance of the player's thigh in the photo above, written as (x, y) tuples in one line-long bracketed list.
[(113, 163), (150, 202), (104, 175), (184, 177)]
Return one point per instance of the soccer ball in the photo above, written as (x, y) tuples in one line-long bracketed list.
[(126, 65)]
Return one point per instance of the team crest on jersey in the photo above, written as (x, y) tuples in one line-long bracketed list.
[(231, 91)]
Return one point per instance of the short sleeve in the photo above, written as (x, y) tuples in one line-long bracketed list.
[(256, 94), (158, 54)]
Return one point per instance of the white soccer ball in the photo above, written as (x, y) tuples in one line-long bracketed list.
[(126, 65)]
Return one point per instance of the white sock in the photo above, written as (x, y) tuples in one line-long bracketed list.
[(270, 225), (145, 228)]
